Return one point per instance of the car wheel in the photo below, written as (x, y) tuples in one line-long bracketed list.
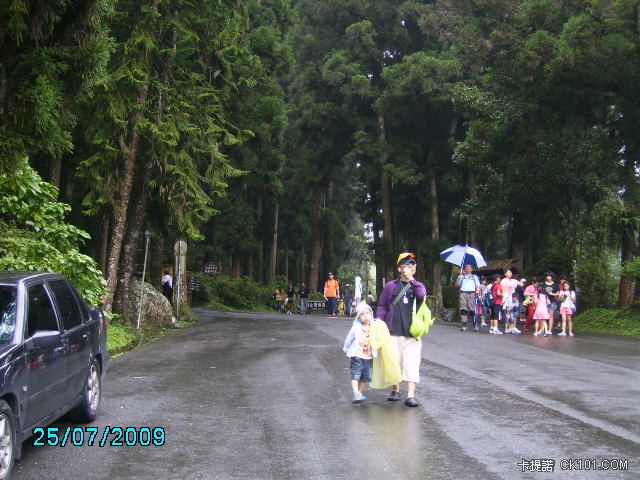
[(7, 440), (87, 411)]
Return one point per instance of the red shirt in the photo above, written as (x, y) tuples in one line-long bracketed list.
[(497, 293)]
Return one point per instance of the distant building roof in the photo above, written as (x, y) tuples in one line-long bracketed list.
[(502, 265)]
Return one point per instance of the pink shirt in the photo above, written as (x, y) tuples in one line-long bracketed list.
[(530, 290), (508, 287)]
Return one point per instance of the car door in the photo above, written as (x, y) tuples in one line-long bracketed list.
[(75, 336), (46, 364)]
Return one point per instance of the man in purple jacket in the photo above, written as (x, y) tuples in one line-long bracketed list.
[(396, 309)]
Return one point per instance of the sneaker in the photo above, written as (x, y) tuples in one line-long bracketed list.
[(394, 396), (535, 334), (546, 334), (464, 327), (358, 397), (562, 334), (411, 402), (516, 330), (476, 329), (497, 332), (550, 332), (571, 334), (483, 324), (492, 332)]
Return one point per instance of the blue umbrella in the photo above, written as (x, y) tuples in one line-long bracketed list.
[(462, 255)]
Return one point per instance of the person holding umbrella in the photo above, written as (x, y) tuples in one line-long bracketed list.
[(469, 286)]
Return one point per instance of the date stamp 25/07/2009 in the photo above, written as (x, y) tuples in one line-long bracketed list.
[(578, 464), (92, 436)]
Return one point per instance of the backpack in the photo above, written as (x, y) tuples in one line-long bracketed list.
[(488, 298)]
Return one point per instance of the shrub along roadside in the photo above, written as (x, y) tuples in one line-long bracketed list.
[(230, 294), (601, 320), (122, 337)]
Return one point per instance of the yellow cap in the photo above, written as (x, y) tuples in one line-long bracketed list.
[(404, 255)]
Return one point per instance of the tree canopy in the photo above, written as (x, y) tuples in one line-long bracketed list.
[(293, 138)]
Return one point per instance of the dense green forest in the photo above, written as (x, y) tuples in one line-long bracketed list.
[(293, 137)]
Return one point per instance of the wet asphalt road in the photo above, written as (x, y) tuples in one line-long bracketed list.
[(263, 396)]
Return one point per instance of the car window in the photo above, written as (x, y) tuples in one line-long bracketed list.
[(67, 304), (8, 303), (41, 315)]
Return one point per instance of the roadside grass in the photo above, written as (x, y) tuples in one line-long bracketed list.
[(122, 337), (602, 320)]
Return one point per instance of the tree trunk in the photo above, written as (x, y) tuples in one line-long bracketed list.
[(104, 243), (157, 261), (131, 246), (56, 171), (627, 285), (122, 203), (273, 260), (630, 199), (387, 209), (260, 266), (473, 196), (236, 265), (317, 239), (435, 226)]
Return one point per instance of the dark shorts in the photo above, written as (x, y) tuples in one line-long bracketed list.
[(495, 311), (361, 369)]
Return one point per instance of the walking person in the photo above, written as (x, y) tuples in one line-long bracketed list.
[(167, 285), (348, 298), (396, 309), (357, 346), (469, 286), (567, 300), (496, 311), (552, 290), (541, 315), (331, 295), (304, 299)]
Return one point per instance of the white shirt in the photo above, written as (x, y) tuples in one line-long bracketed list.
[(167, 279), (468, 283)]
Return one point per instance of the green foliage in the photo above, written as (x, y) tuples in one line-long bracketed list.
[(602, 320), (120, 338), (35, 237), (597, 285), (241, 294), (52, 55)]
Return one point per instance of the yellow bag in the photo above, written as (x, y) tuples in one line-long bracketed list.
[(420, 320), (386, 369)]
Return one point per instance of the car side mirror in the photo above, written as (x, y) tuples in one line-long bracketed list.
[(43, 339)]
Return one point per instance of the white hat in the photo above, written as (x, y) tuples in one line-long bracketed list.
[(361, 307)]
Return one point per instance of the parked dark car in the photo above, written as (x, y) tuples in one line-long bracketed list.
[(53, 356)]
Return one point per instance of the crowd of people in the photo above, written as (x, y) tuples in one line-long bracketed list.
[(505, 301), (545, 304), (338, 300)]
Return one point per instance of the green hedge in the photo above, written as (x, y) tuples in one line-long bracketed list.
[(241, 294), (602, 320)]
